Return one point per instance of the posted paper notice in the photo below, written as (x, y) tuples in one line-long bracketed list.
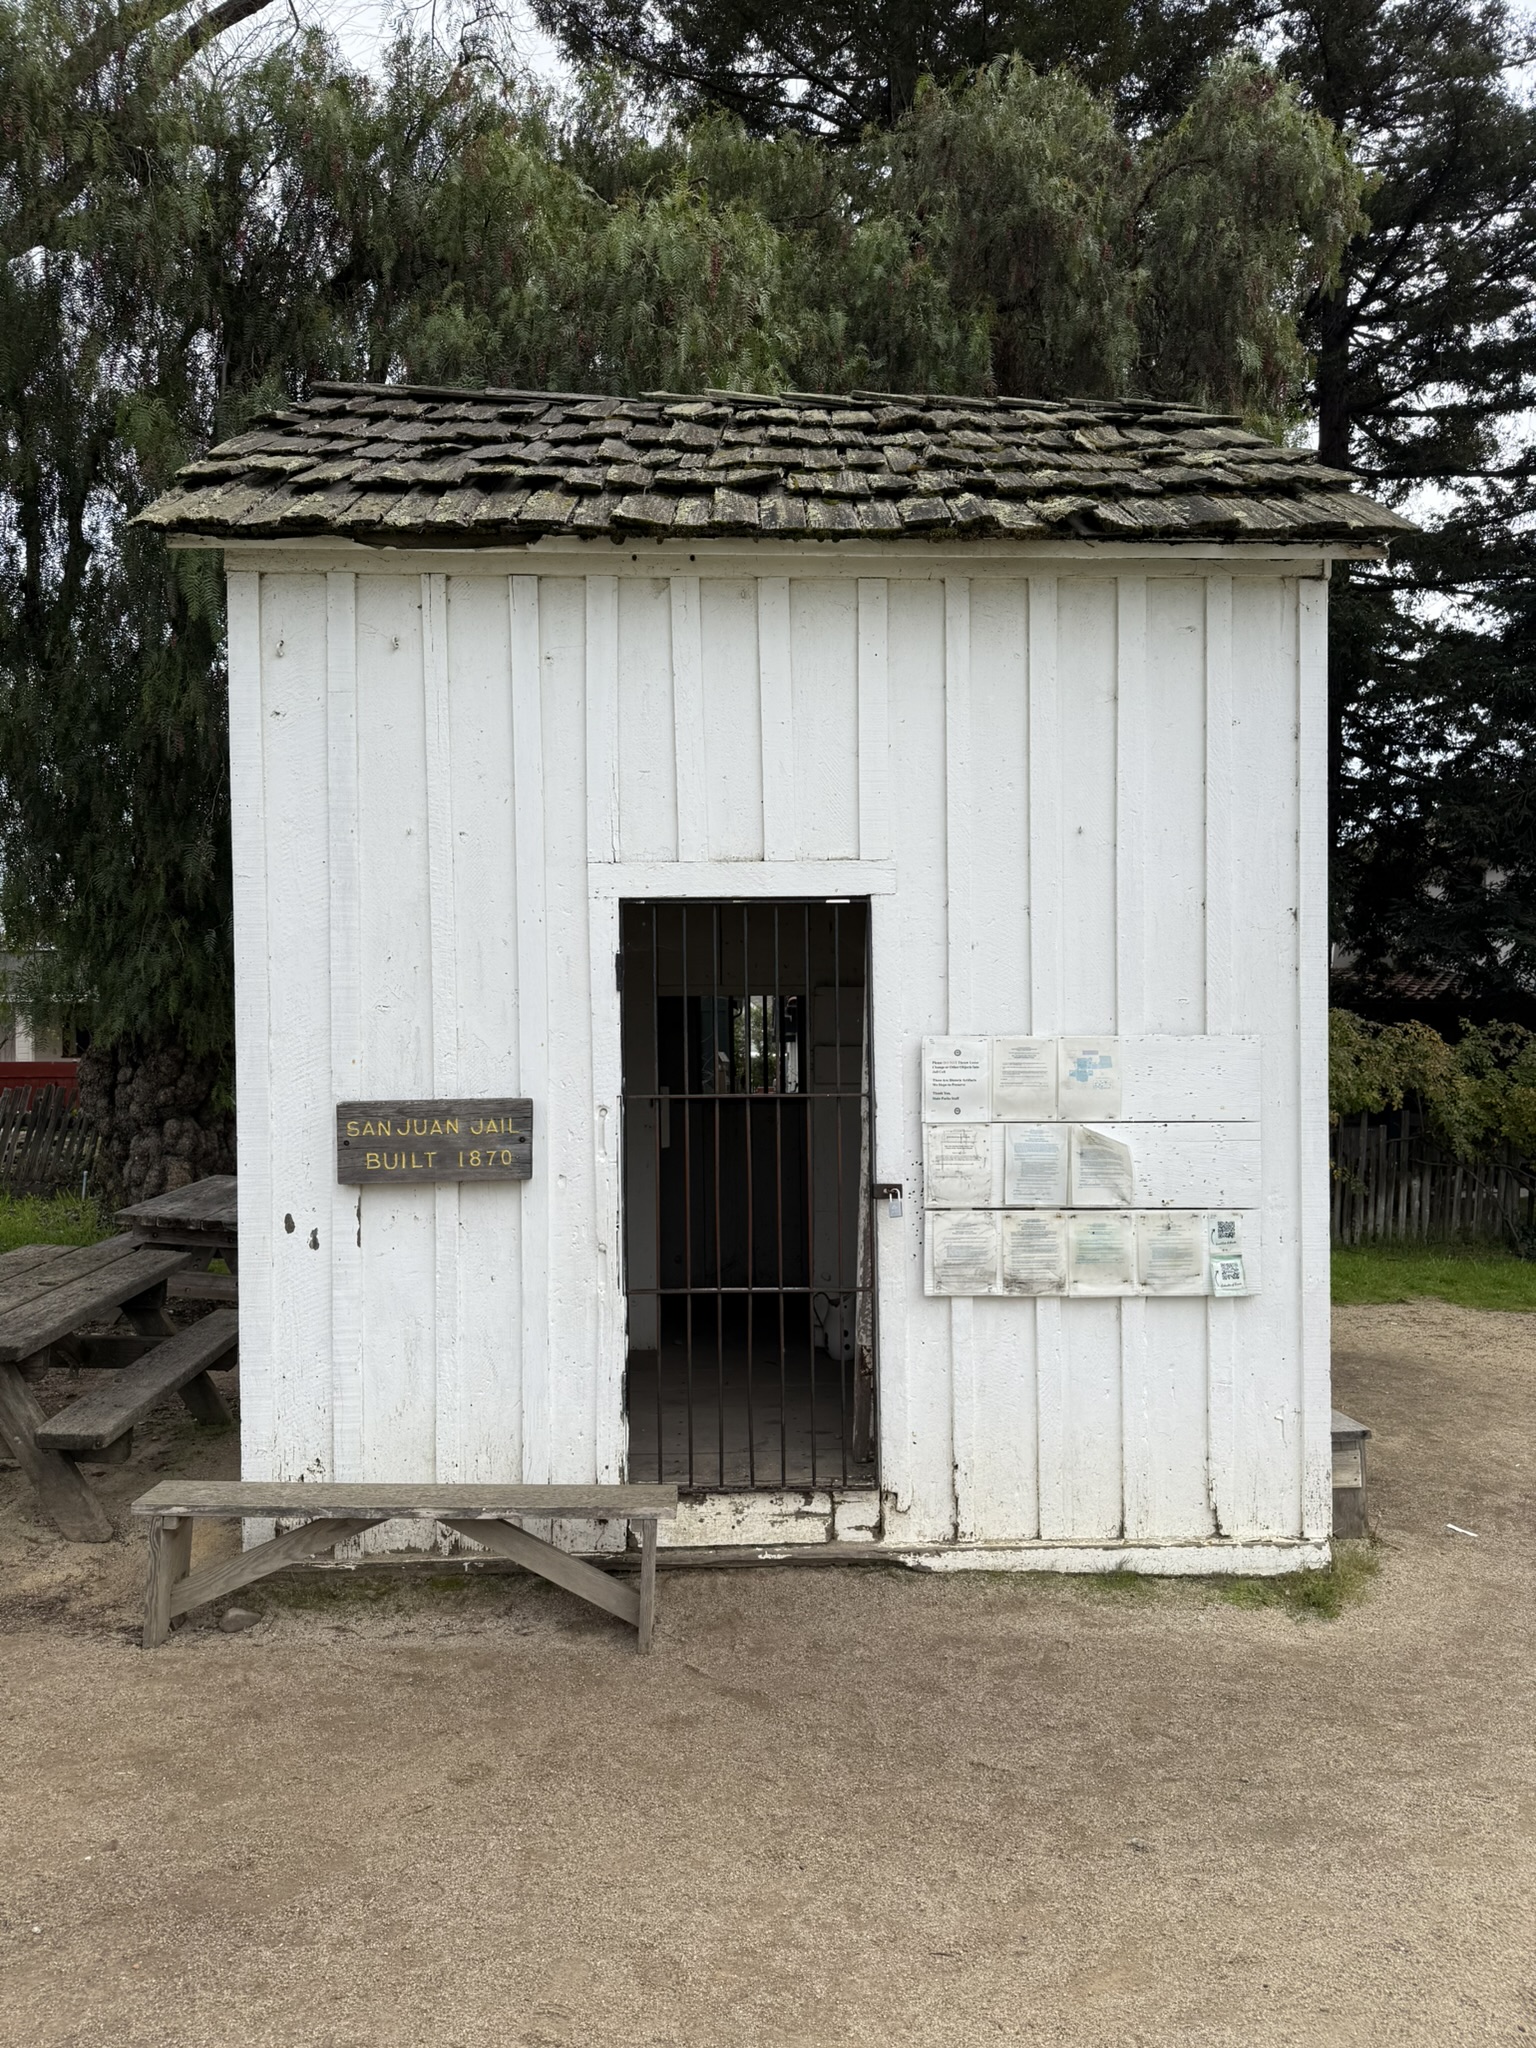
[(1227, 1275), (1101, 1252), (959, 1165), (1225, 1231), (1102, 1177), (957, 1080), (1170, 1252), (962, 1251), (1034, 1252), (1034, 1166), (1088, 1084), (1023, 1079)]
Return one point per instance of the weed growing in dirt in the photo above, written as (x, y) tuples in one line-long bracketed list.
[(1320, 1595), (1120, 1584)]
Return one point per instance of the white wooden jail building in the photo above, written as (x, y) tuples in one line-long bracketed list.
[(780, 946)]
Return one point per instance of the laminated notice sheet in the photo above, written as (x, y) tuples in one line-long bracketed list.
[(957, 1080), (962, 1251), (1088, 1082), (1034, 1166), (1225, 1232), (1101, 1170), (1034, 1252), (1227, 1275), (1170, 1252), (960, 1168), (1023, 1079), (1101, 1252)]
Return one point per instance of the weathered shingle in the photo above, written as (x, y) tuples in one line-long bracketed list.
[(383, 463)]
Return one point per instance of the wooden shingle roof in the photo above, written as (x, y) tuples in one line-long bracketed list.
[(405, 465)]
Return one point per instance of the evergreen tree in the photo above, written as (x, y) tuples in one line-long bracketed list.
[(186, 243), (1426, 374), (836, 67)]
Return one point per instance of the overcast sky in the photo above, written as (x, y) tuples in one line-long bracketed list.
[(362, 27)]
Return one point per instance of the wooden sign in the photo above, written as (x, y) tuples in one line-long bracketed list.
[(390, 1143)]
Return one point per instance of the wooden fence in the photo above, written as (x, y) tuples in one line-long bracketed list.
[(1389, 1180), (44, 1144)]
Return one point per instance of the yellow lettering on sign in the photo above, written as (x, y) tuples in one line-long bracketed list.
[(371, 1161), (352, 1130)]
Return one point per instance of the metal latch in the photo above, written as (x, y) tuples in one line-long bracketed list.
[(889, 1192)]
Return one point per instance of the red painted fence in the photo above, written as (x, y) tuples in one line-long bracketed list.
[(36, 1075)]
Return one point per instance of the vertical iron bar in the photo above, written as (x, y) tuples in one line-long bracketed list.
[(716, 1112), (656, 1156), (869, 1108), (778, 1191), (688, 1191), (810, 1192), (746, 982), (842, 1305)]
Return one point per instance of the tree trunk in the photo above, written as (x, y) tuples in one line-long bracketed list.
[(155, 1112), (1333, 418)]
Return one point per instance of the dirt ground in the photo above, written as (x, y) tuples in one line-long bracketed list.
[(835, 1807)]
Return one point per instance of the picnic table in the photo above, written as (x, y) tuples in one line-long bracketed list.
[(48, 1294), (201, 1217)]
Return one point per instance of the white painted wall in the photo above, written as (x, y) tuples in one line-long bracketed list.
[(1084, 795)]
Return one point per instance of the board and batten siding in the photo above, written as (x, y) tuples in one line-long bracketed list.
[(1081, 797)]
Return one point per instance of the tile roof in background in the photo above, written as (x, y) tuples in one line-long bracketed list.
[(401, 464)]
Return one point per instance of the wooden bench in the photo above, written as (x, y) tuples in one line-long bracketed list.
[(338, 1512), (103, 1419)]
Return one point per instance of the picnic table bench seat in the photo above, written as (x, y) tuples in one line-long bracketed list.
[(179, 1365), (48, 1294), (486, 1514)]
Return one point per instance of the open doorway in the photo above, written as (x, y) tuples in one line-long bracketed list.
[(747, 1148)]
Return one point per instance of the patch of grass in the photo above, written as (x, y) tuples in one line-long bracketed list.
[(51, 1219), (1321, 1596), (304, 1587), (1120, 1584), (1470, 1276)]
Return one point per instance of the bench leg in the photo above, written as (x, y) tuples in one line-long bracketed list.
[(647, 1584), (61, 1486), (147, 1314), (585, 1580), (205, 1403), (170, 1555), (294, 1546)]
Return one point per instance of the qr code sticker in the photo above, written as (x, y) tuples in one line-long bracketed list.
[(1224, 1231), (1227, 1277)]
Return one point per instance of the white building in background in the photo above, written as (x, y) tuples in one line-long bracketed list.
[(879, 846)]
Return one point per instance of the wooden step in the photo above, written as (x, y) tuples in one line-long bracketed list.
[(118, 1401)]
